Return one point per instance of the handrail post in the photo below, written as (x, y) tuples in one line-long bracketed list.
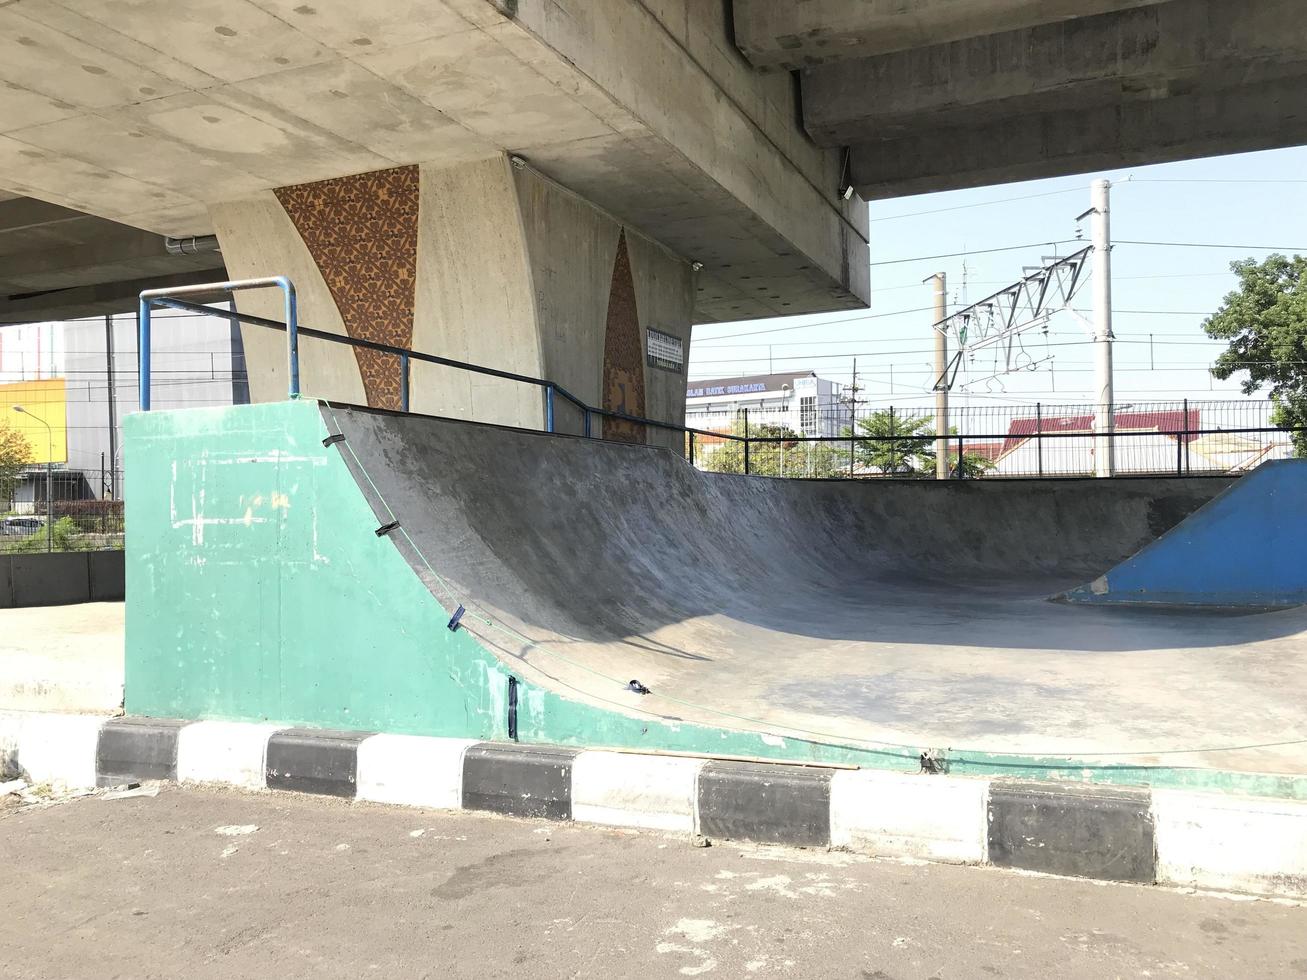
[(143, 351), (1039, 436), (403, 382), (292, 335), (549, 408), (746, 442), (1187, 467), (585, 412), (962, 473), (691, 435), (171, 295)]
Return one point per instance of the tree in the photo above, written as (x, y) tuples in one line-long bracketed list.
[(1265, 322), (902, 445), (15, 456), (893, 443), (791, 456)]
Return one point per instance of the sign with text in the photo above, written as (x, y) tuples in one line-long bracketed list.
[(665, 351)]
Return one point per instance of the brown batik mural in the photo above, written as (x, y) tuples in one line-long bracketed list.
[(362, 232), (623, 358)]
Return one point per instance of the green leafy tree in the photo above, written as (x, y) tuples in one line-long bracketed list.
[(64, 536), (15, 456), (792, 456), (904, 445), (1265, 322), (894, 443)]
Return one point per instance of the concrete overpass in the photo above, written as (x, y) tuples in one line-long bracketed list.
[(538, 184), (934, 95)]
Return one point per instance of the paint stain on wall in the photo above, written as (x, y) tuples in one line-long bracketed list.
[(362, 232), (623, 358)]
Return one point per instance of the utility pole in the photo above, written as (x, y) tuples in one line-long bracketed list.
[(853, 417), (941, 382), (1104, 421)]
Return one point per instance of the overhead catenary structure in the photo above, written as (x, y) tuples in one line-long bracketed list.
[(996, 322)]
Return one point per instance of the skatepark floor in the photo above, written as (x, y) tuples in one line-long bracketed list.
[(62, 658), (1033, 677), (885, 617), (972, 671)]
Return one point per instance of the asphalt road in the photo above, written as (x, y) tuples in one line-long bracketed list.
[(204, 883)]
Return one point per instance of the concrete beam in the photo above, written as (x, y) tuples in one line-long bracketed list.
[(97, 300), (776, 35), (150, 113), (1138, 55), (1053, 144)]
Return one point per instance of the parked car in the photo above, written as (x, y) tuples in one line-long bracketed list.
[(20, 526)]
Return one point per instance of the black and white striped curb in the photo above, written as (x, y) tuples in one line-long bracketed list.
[(1187, 839)]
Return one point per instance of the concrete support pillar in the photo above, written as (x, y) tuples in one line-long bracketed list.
[(486, 262)]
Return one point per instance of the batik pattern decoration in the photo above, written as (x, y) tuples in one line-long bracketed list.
[(623, 384), (362, 232)]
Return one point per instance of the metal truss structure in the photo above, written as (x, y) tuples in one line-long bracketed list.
[(997, 321)]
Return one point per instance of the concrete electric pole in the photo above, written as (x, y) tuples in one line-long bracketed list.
[(1104, 421), (941, 381)]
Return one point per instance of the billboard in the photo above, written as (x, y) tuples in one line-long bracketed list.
[(41, 401)]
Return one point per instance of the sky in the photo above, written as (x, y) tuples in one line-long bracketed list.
[(1249, 204)]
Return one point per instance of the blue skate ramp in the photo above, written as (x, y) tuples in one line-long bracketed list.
[(1246, 547)]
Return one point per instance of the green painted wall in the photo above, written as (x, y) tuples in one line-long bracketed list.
[(257, 590)]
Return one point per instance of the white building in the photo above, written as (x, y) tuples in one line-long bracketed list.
[(799, 401), (63, 373)]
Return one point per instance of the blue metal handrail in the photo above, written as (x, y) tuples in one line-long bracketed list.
[(165, 297)]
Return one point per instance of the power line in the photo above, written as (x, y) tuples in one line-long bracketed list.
[(806, 326), (1248, 248), (979, 204), (975, 251), (906, 353), (1206, 180)]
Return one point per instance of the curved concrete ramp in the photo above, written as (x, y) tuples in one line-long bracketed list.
[(854, 613), (1247, 547)]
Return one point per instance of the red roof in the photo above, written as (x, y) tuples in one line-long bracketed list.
[(1166, 421)]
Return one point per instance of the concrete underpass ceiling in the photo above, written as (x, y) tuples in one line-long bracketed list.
[(145, 112), (56, 263), (935, 95)]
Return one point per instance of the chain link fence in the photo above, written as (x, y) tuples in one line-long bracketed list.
[(60, 510)]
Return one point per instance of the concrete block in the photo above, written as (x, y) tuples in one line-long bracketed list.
[(311, 760), (107, 575), (229, 752), (519, 780), (410, 770), (134, 749), (892, 814), (11, 733), (6, 582), (1231, 843), (58, 749), (1088, 832), (627, 790), (50, 579), (769, 804)]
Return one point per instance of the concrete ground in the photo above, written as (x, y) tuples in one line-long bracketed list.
[(62, 658), (215, 884)]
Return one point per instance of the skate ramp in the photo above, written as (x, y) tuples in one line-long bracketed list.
[(848, 612), (1245, 548)]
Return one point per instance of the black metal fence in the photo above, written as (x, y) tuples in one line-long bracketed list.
[(58, 509), (997, 441)]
